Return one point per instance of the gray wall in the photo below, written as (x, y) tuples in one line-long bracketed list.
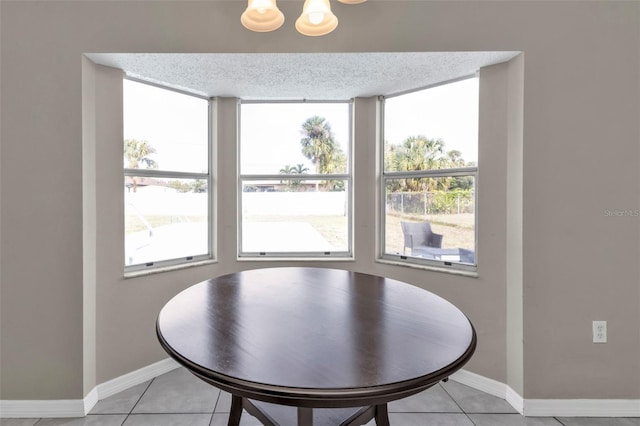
[(551, 261)]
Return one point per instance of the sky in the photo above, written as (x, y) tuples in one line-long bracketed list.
[(176, 125), (448, 112), (271, 133)]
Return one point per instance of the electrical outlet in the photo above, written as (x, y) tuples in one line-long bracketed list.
[(599, 332)]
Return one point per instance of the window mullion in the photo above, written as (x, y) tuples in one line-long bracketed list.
[(463, 171), (295, 176), (164, 174)]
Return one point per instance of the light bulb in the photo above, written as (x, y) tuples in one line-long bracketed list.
[(262, 16), (261, 6), (316, 17)]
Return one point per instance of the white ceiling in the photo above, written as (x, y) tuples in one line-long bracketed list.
[(312, 76)]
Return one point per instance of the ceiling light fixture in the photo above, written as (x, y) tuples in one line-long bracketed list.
[(316, 18), (262, 16)]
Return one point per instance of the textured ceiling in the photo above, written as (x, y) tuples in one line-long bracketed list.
[(313, 76)]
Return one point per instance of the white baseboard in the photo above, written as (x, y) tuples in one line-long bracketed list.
[(81, 407), (126, 381), (41, 408), (582, 407), (515, 400), (550, 407), (481, 383), (90, 400), (490, 386), (527, 407)]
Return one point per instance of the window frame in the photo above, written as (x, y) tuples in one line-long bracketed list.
[(346, 177), (168, 264), (384, 176)]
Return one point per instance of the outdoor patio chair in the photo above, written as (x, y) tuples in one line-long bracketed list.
[(419, 234), (467, 256)]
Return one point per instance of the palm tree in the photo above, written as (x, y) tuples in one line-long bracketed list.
[(299, 169), (319, 146), (318, 141), (455, 158), (418, 153), (421, 153), (286, 170), (138, 152)]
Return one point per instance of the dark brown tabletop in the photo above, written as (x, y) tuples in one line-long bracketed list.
[(315, 337)]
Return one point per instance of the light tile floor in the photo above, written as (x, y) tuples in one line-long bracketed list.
[(179, 399)]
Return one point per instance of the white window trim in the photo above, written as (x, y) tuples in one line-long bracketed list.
[(404, 259), (410, 261), (188, 261), (347, 255)]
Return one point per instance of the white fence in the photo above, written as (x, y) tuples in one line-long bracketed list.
[(253, 203), (167, 203), (295, 203)]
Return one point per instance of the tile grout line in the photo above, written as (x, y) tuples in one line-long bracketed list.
[(469, 418), (137, 402), (215, 406), (452, 398), (458, 405)]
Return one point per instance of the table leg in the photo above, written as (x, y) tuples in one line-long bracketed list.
[(305, 416), (236, 411), (382, 415)]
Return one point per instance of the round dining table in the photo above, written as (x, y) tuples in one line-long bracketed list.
[(314, 346)]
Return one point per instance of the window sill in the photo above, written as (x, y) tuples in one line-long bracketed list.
[(470, 274), (151, 271), (293, 259)]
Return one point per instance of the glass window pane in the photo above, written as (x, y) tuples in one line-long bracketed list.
[(294, 216), (286, 136), (432, 129), (164, 129), (165, 219), (431, 218)]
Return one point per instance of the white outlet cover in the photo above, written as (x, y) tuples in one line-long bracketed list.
[(599, 332)]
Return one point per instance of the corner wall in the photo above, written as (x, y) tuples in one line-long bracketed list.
[(515, 212), (89, 225)]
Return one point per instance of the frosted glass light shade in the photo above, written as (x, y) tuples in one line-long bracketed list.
[(352, 1), (316, 18), (262, 16)]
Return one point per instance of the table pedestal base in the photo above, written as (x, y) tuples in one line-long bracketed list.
[(280, 415)]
